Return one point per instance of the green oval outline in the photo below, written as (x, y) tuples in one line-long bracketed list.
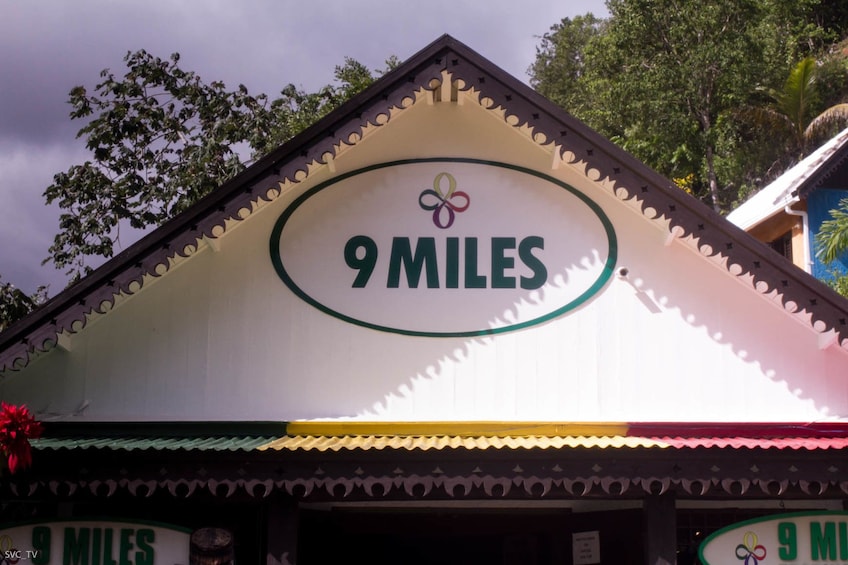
[(605, 276), (99, 519)]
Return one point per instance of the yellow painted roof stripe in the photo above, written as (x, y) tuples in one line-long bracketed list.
[(456, 429), (439, 442)]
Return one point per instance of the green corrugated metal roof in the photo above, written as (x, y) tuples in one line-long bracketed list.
[(427, 442), (424, 443), (162, 436), (220, 443), (346, 436)]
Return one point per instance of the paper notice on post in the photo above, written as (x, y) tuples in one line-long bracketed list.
[(586, 548)]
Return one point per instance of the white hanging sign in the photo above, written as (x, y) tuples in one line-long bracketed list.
[(444, 247)]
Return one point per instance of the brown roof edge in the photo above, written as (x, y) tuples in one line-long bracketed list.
[(823, 172)]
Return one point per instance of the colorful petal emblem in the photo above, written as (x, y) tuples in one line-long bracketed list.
[(750, 551), (444, 204)]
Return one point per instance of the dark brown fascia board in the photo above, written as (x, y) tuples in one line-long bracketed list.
[(632, 180)]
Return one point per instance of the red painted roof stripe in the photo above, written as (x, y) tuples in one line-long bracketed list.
[(757, 443), (717, 430)]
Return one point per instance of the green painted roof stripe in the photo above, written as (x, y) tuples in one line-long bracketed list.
[(248, 443), (163, 436)]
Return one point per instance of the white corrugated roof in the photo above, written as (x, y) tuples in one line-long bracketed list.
[(775, 196)]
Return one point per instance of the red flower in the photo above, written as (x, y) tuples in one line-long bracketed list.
[(17, 427)]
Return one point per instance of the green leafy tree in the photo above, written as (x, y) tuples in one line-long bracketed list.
[(832, 238), (560, 63), (15, 303), (678, 66), (295, 110), (161, 138), (832, 243), (664, 79)]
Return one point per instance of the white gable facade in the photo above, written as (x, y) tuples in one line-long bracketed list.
[(220, 336)]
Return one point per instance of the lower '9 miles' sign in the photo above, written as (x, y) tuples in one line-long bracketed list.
[(88, 542), (788, 539)]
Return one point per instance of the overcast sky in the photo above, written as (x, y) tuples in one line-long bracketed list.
[(49, 46)]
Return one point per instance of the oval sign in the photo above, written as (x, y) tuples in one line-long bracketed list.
[(801, 538), (444, 247), (95, 541)]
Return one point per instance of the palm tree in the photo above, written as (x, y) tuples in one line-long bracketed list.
[(832, 238), (792, 109), (832, 242)]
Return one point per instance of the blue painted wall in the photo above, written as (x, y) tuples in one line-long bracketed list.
[(819, 204)]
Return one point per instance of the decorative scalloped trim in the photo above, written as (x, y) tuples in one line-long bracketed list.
[(456, 487)]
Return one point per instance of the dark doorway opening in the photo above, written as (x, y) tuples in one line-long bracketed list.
[(481, 536)]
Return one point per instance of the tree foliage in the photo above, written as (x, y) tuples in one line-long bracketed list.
[(561, 62), (15, 303), (665, 79), (161, 138), (832, 243), (832, 238), (688, 54), (791, 114)]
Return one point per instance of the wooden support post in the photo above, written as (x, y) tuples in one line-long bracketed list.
[(282, 529), (660, 530)]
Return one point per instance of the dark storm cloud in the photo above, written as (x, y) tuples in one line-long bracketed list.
[(47, 47)]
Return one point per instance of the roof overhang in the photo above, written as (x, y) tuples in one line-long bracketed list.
[(793, 185), (384, 461), (335, 436)]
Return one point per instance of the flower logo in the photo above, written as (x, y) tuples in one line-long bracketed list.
[(750, 551), (444, 204)]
